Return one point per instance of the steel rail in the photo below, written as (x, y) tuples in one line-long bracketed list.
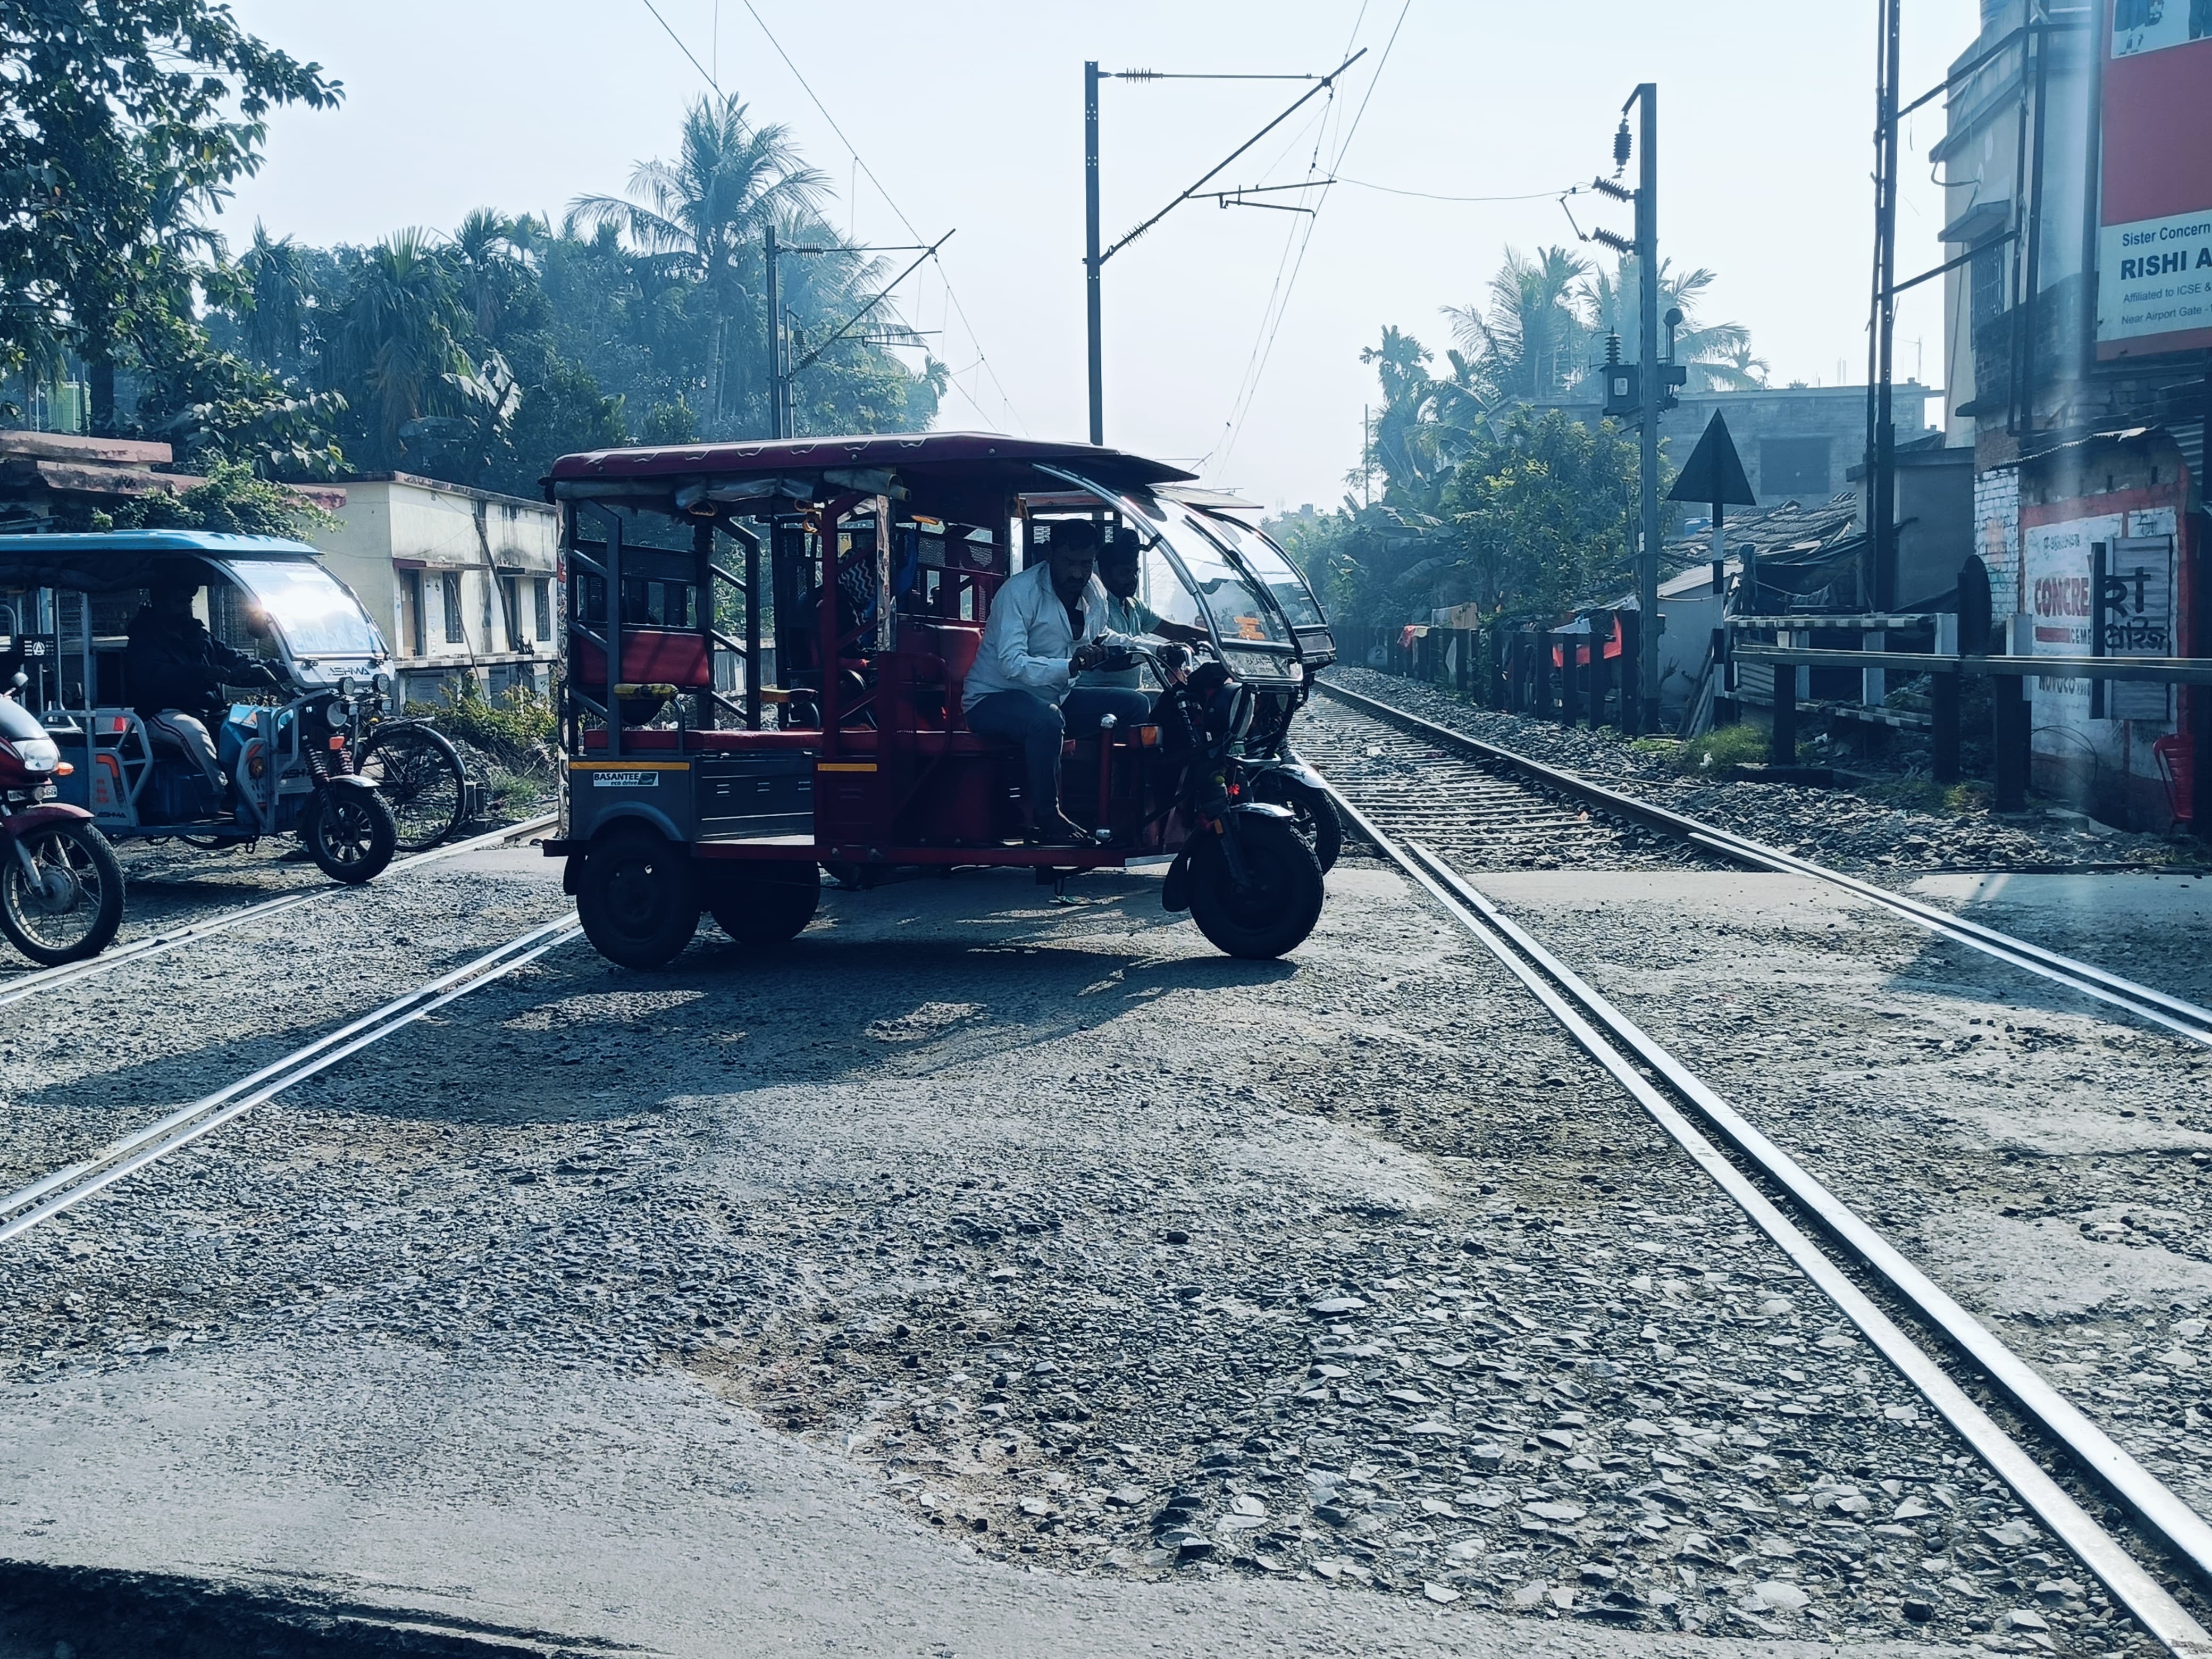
[(1560, 991), (2184, 1018), (65, 1187), (154, 944)]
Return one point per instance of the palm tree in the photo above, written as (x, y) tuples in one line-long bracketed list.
[(395, 333), (705, 211), (1529, 342), (1612, 301), (1736, 371), (282, 295), (489, 250)]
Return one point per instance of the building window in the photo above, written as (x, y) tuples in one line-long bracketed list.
[(510, 603), (542, 594), (410, 612), (451, 582), (1985, 284), (1794, 467)]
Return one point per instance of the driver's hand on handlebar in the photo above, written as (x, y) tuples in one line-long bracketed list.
[(1089, 655)]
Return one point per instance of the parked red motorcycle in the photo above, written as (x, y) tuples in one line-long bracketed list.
[(61, 887)]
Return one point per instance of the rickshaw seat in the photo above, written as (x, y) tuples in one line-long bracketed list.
[(649, 657)]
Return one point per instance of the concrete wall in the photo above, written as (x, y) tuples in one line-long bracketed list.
[(408, 545)]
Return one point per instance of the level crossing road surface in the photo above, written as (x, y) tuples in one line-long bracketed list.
[(986, 1276)]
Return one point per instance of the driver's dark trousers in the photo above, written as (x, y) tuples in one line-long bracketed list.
[(1040, 726), (190, 734)]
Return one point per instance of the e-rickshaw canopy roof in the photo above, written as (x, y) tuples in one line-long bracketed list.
[(960, 459), (118, 560)]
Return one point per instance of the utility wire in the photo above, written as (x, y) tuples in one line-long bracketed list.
[(1343, 149), (890, 200), (681, 47), (1431, 195)]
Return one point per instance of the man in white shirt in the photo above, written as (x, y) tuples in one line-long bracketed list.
[(1044, 629)]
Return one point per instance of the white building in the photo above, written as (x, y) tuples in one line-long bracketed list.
[(460, 580)]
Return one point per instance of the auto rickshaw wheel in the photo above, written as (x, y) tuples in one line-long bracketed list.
[(762, 904), (69, 906), (1311, 810), (638, 898), (1279, 905), (350, 833)]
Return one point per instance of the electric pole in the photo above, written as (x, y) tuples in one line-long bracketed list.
[(1646, 391), (1646, 98), (775, 422), (1879, 578), (1090, 260), (1095, 258)]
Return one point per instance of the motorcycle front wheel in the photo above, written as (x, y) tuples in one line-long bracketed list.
[(350, 833), (1280, 902), (68, 905)]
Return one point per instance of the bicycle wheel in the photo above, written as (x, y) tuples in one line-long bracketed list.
[(420, 776)]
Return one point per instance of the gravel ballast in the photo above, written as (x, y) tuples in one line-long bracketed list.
[(1837, 827), (1342, 1293)]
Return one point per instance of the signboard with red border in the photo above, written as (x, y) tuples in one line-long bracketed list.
[(2155, 243)]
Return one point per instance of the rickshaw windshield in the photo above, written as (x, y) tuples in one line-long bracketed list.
[(316, 613), (1276, 573), (1239, 614)]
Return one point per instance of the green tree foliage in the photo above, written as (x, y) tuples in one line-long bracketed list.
[(232, 500), (481, 356), (122, 122)]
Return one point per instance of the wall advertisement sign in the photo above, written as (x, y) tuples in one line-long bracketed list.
[(2059, 593), (2155, 242)]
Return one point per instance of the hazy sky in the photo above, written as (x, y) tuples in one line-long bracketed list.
[(970, 115)]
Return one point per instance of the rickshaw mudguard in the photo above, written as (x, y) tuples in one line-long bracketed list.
[(1175, 892), (32, 818)]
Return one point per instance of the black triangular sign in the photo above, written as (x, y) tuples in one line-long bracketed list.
[(1714, 475)]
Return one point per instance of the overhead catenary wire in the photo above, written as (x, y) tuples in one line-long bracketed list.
[(861, 165), (1250, 395)]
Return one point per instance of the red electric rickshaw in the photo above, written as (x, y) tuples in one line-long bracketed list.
[(766, 650)]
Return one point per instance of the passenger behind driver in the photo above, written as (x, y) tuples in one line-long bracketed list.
[(1118, 573), (176, 671), (1044, 631)]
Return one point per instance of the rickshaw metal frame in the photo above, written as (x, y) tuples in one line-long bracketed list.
[(120, 562), (811, 498)]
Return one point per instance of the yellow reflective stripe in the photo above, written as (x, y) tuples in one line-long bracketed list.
[(629, 765), (845, 766)]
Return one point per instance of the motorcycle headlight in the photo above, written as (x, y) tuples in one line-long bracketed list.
[(35, 754)]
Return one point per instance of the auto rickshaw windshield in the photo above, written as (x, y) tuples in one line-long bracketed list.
[(1266, 561), (316, 613), (1238, 612)]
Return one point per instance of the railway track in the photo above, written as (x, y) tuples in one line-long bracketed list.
[(1406, 773), (42, 1200), (18, 987), (1834, 1246)]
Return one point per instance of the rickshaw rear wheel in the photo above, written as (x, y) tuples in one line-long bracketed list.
[(350, 833), (638, 898), (1311, 810), (72, 909), (1278, 906), (765, 903)]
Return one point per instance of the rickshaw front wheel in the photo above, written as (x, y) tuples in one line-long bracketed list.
[(350, 833), (1276, 907), (638, 899), (765, 903)]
